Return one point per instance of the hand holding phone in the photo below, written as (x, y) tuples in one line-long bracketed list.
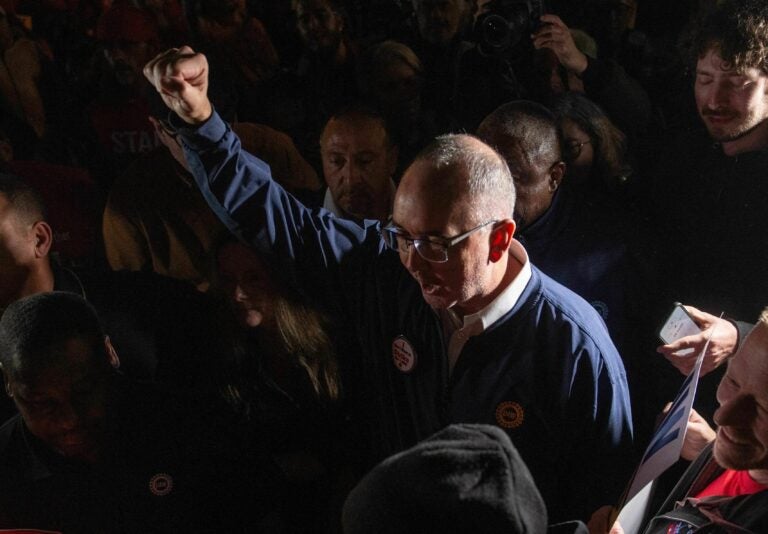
[(679, 324), (683, 351)]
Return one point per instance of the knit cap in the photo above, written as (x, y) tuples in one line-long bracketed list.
[(463, 479)]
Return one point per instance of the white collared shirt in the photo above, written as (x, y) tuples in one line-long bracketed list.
[(457, 332), (330, 204)]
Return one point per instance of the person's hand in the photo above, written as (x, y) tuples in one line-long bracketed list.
[(556, 36), (698, 434), (181, 77), (722, 345), (603, 521)]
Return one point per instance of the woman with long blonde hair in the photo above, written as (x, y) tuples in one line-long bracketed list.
[(285, 381)]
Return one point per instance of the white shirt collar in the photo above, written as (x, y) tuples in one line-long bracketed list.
[(506, 300), (457, 332), (330, 204)]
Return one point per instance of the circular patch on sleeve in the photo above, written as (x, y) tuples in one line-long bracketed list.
[(403, 355), (509, 414), (161, 484)]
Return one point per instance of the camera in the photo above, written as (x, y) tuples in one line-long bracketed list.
[(505, 22)]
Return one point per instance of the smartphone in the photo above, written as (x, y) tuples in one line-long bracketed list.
[(678, 324)]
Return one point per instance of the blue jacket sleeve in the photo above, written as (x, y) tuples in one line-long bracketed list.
[(239, 188)]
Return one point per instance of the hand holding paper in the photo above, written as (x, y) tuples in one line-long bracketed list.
[(698, 434), (665, 447)]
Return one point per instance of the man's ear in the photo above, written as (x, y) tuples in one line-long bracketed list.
[(501, 238), (114, 359), (556, 173), (43, 236)]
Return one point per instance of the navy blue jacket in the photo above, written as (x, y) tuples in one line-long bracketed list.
[(588, 244), (584, 254), (547, 371)]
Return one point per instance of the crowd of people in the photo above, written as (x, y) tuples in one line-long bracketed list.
[(325, 266)]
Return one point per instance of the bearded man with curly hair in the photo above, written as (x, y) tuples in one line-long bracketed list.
[(710, 191)]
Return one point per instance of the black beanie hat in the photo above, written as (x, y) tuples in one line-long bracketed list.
[(463, 479)]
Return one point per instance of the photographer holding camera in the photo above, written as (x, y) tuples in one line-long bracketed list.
[(522, 50), (603, 80)]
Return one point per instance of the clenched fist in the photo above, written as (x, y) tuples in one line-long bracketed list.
[(181, 77)]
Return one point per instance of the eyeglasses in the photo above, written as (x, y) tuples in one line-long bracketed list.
[(432, 248), (573, 147)]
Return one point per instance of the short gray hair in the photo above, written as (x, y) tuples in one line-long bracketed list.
[(486, 181)]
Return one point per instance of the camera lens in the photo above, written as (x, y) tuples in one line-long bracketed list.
[(504, 23), (495, 31)]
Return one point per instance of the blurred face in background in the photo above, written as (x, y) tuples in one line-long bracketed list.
[(320, 26), (397, 90), (246, 282), (127, 59), (609, 20), (440, 21), (130, 39), (224, 22), (579, 150)]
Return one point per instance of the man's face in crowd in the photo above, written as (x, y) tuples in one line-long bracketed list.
[(610, 19), (127, 59), (17, 252), (319, 25), (358, 163), (742, 436), (421, 211), (65, 405), (533, 180), (440, 20), (730, 103), (397, 90)]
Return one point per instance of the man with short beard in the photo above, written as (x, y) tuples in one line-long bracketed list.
[(711, 189)]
